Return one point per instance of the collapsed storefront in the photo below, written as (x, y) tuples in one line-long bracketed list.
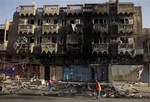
[(75, 73), (79, 73), (125, 72)]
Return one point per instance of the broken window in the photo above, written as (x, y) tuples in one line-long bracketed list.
[(72, 22), (30, 21), (113, 38), (54, 39), (39, 22), (124, 39), (49, 38), (55, 21), (113, 20), (63, 22), (122, 21), (31, 40), (95, 21), (105, 40), (62, 40), (101, 21), (100, 39), (23, 57), (105, 21), (126, 21), (48, 21), (39, 40), (96, 40), (6, 35)]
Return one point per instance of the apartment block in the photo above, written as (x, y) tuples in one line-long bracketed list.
[(78, 42)]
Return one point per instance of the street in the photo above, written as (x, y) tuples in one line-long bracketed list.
[(18, 98)]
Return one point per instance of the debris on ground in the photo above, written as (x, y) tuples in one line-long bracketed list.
[(37, 86)]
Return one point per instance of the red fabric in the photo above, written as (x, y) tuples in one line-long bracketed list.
[(98, 86)]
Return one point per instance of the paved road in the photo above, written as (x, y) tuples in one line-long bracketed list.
[(16, 98)]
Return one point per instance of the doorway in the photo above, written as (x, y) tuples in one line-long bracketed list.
[(47, 73)]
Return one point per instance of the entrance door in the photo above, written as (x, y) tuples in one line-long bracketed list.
[(47, 72), (102, 73)]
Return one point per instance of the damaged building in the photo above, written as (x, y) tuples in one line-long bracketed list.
[(79, 42)]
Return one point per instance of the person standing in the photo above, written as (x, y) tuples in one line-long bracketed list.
[(49, 85), (98, 89)]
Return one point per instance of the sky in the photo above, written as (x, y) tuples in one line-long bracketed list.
[(8, 7)]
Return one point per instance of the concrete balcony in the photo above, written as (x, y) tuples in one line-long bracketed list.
[(24, 48), (50, 28), (27, 10), (75, 9), (51, 9), (74, 39), (125, 9), (101, 9), (125, 47), (3, 47), (48, 47), (125, 28), (102, 28), (26, 29), (103, 48)]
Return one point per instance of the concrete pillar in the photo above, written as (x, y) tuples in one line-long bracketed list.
[(149, 75)]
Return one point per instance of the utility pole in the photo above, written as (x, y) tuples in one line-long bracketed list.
[(148, 63), (148, 55)]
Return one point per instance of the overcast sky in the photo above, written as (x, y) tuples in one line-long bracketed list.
[(8, 7)]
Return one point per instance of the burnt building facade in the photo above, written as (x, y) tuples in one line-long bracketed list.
[(77, 42)]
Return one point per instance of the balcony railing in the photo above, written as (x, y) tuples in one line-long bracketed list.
[(74, 9), (100, 48), (87, 9), (27, 10), (51, 9), (125, 28), (50, 28), (100, 28), (49, 47), (125, 9), (26, 29), (74, 47), (125, 47), (27, 48), (101, 9)]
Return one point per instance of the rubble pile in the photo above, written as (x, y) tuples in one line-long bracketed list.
[(132, 90), (37, 86), (17, 85)]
